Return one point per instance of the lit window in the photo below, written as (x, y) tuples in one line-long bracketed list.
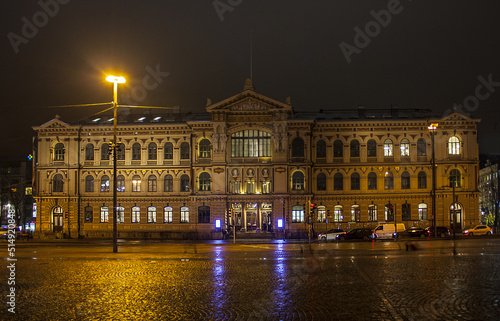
[(251, 143), (321, 214), (298, 214), (204, 182), (388, 148), (204, 148), (355, 213), (151, 214), (89, 214), (104, 214), (372, 212), (167, 214), (120, 183), (455, 178), (236, 187), (266, 187), (105, 183), (120, 214), (453, 145), (184, 214), (136, 183), (405, 147), (250, 187), (422, 212), (136, 214), (338, 213)]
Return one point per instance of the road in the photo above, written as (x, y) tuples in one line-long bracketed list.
[(84, 280)]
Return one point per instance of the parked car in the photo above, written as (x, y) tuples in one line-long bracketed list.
[(413, 232), (330, 235), (357, 234), (477, 230), (388, 230), (441, 231)]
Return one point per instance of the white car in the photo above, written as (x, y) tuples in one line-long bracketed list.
[(330, 235), (478, 230)]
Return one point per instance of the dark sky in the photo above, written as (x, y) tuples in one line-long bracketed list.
[(430, 54)]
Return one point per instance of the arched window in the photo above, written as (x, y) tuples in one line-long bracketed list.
[(204, 182), (89, 183), (421, 147), (406, 212), (104, 214), (120, 183), (168, 214), (422, 180), (59, 152), (204, 148), (120, 214), (455, 178), (321, 182), (454, 145), (354, 148), (405, 147), (388, 148), (372, 181), (185, 151), (338, 148), (422, 212), (355, 181), (338, 213), (184, 214), (338, 182), (168, 151), (371, 148), (321, 217), (298, 147), (89, 152), (184, 183), (298, 181), (136, 214), (203, 214), (388, 181), (105, 152), (152, 183), (297, 214), (405, 180), (89, 214), (105, 183), (136, 151), (136, 183), (372, 212), (320, 149), (120, 151), (169, 183), (251, 143), (152, 152), (57, 183), (355, 213), (151, 214)]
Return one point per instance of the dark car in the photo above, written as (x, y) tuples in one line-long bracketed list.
[(441, 231), (414, 232), (357, 234)]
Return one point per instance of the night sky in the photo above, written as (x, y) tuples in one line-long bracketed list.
[(409, 54)]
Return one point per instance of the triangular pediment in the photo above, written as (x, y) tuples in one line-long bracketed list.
[(456, 117), (54, 124), (249, 100)]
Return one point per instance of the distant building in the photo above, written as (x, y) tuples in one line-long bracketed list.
[(489, 197), (255, 160), (16, 193)]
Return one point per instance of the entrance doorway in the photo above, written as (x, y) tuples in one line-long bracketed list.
[(456, 222), (57, 219)]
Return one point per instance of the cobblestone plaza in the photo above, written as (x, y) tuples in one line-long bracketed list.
[(251, 281)]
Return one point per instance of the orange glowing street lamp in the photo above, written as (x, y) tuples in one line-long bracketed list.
[(115, 80)]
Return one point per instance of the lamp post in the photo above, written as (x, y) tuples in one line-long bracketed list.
[(115, 80), (432, 128)]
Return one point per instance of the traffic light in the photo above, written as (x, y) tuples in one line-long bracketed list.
[(313, 208)]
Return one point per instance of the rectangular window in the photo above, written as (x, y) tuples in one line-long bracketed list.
[(104, 214), (167, 214), (136, 214), (151, 214), (120, 215), (251, 187), (266, 187), (372, 213), (236, 187), (298, 215), (184, 214)]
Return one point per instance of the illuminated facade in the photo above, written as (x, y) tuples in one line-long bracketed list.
[(253, 160)]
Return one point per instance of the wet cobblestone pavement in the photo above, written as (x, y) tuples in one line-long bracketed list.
[(277, 281)]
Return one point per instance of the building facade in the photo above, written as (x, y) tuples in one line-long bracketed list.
[(251, 160), (489, 196)]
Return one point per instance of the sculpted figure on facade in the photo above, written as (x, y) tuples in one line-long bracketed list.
[(223, 138)]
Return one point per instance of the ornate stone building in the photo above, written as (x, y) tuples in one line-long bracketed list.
[(253, 159)]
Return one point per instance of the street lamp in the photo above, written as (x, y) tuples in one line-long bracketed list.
[(432, 128), (115, 80)]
